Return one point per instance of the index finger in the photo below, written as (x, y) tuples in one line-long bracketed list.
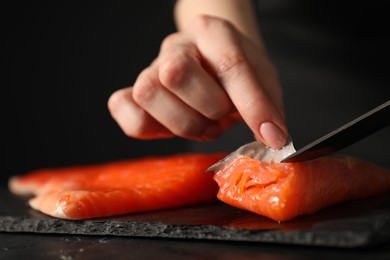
[(221, 49)]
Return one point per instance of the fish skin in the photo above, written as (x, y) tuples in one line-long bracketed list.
[(117, 188), (283, 191)]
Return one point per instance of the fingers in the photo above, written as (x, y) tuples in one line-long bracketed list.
[(174, 95), (199, 83), (239, 79), (170, 110), (132, 119), (181, 72), (149, 110)]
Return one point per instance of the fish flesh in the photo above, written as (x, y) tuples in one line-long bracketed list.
[(283, 191), (115, 188)]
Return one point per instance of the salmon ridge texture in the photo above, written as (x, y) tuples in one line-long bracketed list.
[(283, 191), (122, 187)]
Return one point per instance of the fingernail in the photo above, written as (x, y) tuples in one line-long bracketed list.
[(212, 132), (272, 135)]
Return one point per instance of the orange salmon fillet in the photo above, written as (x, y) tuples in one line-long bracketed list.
[(120, 187), (283, 191)]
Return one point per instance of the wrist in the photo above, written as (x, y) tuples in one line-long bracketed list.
[(240, 13)]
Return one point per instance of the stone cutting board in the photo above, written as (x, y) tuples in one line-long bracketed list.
[(362, 223)]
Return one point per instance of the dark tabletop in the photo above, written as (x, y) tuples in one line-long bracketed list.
[(352, 230), (39, 246)]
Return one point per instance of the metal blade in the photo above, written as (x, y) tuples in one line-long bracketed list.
[(258, 151), (346, 135), (342, 137)]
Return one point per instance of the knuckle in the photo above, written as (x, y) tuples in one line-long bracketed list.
[(113, 103), (144, 90), (174, 70), (169, 40), (118, 100), (230, 62), (132, 120)]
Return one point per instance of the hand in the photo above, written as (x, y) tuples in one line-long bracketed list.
[(204, 79)]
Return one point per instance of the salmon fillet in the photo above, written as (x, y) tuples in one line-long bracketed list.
[(283, 191), (120, 187)]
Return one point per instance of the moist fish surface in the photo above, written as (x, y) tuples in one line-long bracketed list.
[(283, 191), (121, 187)]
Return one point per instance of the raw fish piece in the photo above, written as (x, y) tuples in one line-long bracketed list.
[(283, 191), (120, 187)]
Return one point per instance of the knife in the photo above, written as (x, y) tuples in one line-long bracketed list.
[(345, 135), (342, 137)]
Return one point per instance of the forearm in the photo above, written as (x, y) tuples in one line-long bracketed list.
[(239, 12)]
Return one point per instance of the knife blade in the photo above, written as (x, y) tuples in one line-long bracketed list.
[(346, 135), (255, 150)]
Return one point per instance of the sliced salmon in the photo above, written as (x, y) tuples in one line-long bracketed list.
[(120, 187), (283, 191)]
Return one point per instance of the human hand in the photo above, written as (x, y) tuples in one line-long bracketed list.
[(202, 81)]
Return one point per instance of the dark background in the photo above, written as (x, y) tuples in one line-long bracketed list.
[(61, 60)]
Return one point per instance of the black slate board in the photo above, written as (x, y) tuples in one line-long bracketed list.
[(362, 223)]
